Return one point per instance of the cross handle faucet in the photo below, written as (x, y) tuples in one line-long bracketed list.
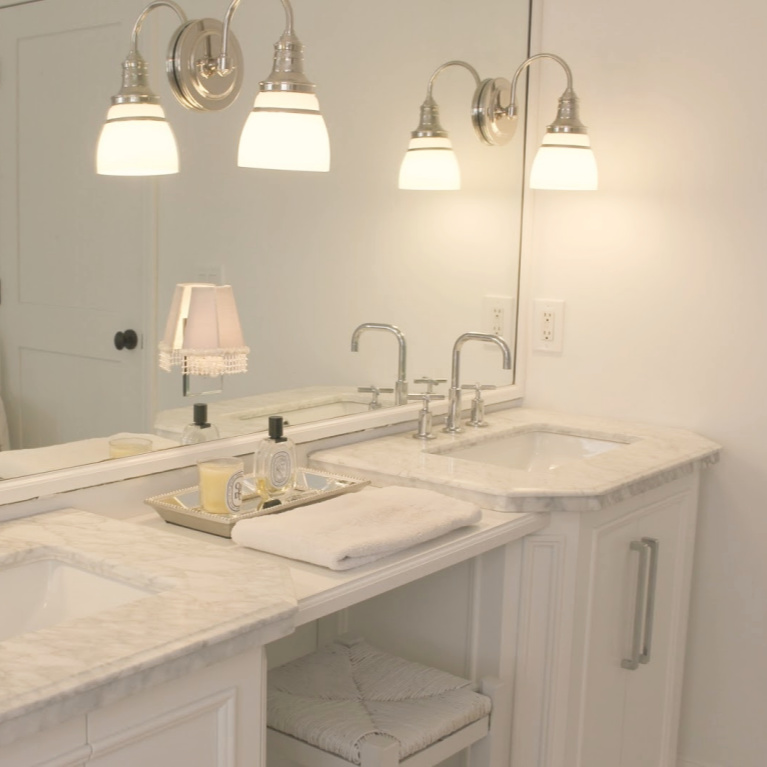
[(400, 387), (453, 422)]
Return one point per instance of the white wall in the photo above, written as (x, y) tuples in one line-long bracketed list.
[(664, 272)]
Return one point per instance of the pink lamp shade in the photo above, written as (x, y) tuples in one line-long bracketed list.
[(203, 333)]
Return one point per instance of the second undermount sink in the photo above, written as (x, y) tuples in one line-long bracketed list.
[(44, 592), (533, 450)]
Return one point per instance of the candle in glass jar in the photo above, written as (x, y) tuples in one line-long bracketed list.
[(220, 482)]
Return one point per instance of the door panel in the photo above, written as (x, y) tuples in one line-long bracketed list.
[(74, 247)]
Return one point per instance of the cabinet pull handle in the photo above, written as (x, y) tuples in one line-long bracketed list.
[(643, 549), (653, 545)]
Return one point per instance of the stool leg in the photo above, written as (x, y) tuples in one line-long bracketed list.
[(494, 750), (379, 751)]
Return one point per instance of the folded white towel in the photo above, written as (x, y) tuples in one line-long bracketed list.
[(357, 528)]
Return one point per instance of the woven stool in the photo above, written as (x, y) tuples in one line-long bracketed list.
[(351, 704)]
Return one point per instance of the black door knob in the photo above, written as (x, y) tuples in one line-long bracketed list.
[(126, 339)]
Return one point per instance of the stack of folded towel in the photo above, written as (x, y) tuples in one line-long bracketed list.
[(357, 528)]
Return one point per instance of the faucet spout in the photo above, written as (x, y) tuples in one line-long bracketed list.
[(400, 389), (452, 424)]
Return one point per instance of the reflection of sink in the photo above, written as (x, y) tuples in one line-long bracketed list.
[(533, 450), (308, 414), (45, 592)]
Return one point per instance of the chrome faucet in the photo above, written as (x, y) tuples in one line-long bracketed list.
[(400, 387), (453, 422)]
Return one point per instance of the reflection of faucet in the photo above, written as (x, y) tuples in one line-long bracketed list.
[(453, 422), (400, 388)]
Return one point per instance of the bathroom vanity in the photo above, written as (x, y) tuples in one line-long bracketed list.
[(603, 590), (574, 586)]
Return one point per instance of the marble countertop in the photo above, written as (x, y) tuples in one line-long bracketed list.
[(651, 456), (207, 603)]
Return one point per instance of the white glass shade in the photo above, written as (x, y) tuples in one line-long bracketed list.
[(564, 161), (203, 333), (136, 140), (285, 131), (430, 163)]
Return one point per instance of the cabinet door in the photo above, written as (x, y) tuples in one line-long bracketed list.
[(63, 745), (214, 717), (653, 689), (629, 713)]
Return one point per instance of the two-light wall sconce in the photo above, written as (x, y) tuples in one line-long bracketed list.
[(286, 130), (564, 160)]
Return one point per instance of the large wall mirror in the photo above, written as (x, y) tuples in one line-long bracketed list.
[(310, 255)]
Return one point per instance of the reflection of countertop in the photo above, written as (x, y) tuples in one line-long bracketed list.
[(211, 603), (245, 415), (653, 456)]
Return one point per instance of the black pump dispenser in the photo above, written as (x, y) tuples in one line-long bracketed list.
[(275, 428), (201, 415)]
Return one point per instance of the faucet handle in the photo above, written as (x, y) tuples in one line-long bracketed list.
[(478, 387), (430, 382), (477, 419), (424, 415), (376, 391)]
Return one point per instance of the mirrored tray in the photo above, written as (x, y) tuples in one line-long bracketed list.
[(182, 507)]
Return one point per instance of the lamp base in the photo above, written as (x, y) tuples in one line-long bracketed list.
[(489, 112), (194, 77)]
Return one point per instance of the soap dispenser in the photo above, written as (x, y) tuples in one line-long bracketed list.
[(276, 460), (200, 430)]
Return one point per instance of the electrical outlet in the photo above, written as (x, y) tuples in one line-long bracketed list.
[(548, 324), (498, 316), (211, 274)]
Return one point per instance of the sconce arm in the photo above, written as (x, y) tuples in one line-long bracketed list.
[(142, 17), (454, 63), (567, 120), (429, 124), (224, 63)]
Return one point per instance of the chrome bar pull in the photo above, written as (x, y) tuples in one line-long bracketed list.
[(643, 550), (653, 545)]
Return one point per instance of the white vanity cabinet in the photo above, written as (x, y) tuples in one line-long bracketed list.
[(592, 601), (212, 717)]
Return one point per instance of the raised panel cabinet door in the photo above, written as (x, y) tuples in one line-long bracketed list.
[(75, 247), (608, 626), (637, 611), (654, 688), (212, 717)]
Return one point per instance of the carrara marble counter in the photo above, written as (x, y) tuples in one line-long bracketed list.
[(208, 604), (651, 456)]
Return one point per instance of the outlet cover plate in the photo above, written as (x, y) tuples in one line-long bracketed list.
[(548, 324)]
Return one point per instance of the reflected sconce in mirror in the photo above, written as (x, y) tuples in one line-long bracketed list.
[(203, 335), (564, 160), (284, 131)]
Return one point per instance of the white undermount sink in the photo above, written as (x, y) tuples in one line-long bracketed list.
[(533, 450), (41, 593)]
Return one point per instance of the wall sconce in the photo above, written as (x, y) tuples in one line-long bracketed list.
[(285, 130), (564, 160), (203, 334)]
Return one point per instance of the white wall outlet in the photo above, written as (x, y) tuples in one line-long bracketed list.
[(498, 317), (210, 273), (548, 324)]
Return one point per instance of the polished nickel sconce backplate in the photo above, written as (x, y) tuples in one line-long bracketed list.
[(195, 76), (490, 113)]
